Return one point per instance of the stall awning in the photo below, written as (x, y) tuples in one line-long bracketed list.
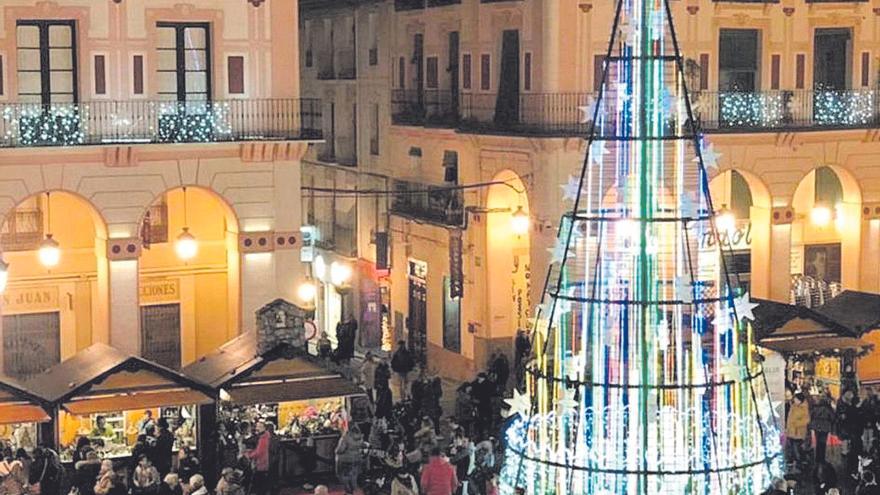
[(103, 379), (22, 413), (317, 388), (808, 345), (144, 400)]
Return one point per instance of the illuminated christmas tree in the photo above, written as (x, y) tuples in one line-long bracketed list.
[(645, 378)]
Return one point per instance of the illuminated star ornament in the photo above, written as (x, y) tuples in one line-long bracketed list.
[(570, 189), (588, 110), (710, 157), (557, 252), (518, 404), (743, 306), (567, 403)]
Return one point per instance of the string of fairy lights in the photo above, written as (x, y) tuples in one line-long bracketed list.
[(644, 380)]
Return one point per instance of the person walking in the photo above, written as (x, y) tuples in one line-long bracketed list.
[(402, 364), (822, 423), (274, 457), (13, 477), (851, 426), (260, 457), (384, 403), (522, 350), (482, 392), (46, 470), (164, 448), (106, 478), (349, 458), (171, 485), (368, 374), (404, 484), (146, 479), (438, 476), (86, 473), (796, 427), (501, 372)]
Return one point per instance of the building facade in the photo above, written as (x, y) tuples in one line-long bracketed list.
[(149, 174), (480, 100)]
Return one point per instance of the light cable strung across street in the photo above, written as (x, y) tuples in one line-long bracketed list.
[(645, 378)]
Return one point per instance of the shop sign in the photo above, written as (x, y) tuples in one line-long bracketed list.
[(158, 291), (30, 299), (418, 269), (456, 273), (734, 239)]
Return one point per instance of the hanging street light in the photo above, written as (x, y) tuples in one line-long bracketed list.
[(725, 220), (519, 221), (49, 252), (821, 215), (186, 245), (307, 291)]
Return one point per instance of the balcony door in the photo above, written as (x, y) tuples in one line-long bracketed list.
[(739, 60), (507, 104), (831, 59), (46, 61), (184, 61)]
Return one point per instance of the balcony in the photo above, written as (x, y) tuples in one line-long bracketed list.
[(430, 107), (22, 230), (536, 114), (132, 122), (431, 204), (793, 110), (341, 239)]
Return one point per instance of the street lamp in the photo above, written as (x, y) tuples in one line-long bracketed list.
[(725, 220), (307, 291), (49, 252), (4, 274), (821, 215), (340, 273), (519, 221), (186, 246)]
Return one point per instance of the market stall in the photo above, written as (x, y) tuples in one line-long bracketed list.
[(309, 404), (820, 352), (20, 414), (103, 394)]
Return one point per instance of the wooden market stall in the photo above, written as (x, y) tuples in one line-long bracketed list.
[(285, 385), (20, 414), (102, 393)]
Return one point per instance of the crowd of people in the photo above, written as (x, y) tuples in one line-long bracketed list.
[(409, 446), (816, 423)]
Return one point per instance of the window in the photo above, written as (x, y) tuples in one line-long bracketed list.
[(866, 64), (832, 64), (401, 73), (137, 69), (704, 72), (23, 228), (774, 71), (184, 61), (527, 71), (466, 71), (431, 76), (451, 318), (739, 60), (160, 334), (598, 71), (47, 62), (235, 73), (485, 72), (374, 39), (31, 343), (307, 29), (450, 166), (1, 75), (100, 75), (374, 129), (800, 70)]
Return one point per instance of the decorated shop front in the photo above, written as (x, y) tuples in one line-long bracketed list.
[(110, 398), (269, 376), (21, 414)]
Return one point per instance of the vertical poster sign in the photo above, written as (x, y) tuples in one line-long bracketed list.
[(456, 274)]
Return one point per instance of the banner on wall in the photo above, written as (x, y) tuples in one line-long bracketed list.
[(456, 271), (370, 325)]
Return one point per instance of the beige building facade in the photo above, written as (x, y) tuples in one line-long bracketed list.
[(485, 95), (157, 144)]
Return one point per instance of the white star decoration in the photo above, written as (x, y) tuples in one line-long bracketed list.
[(597, 152), (571, 188), (576, 366), (710, 157), (588, 110), (628, 32), (744, 307), (567, 402), (518, 404)]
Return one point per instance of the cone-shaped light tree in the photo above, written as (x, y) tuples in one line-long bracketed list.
[(645, 379)]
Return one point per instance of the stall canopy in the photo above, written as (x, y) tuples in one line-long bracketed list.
[(17, 405), (858, 311), (101, 379), (281, 374), (792, 329)]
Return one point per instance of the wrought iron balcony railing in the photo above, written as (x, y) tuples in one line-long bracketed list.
[(432, 204), (128, 122), (784, 109), (555, 114)]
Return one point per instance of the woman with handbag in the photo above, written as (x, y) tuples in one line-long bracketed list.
[(13, 474)]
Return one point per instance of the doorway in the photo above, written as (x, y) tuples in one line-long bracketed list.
[(831, 59), (31, 343), (418, 311), (160, 334)]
